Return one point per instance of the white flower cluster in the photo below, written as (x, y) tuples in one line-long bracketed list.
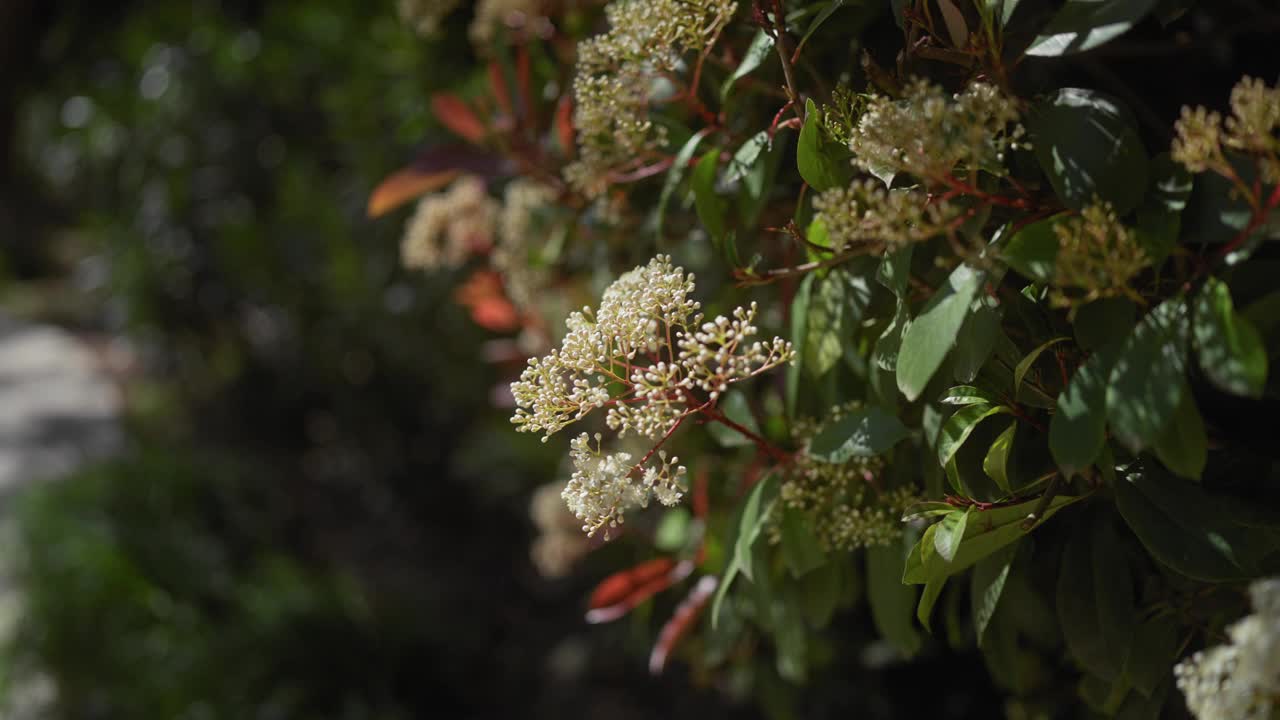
[(866, 215), (492, 15), (645, 354), (1240, 681), (615, 71), (447, 226), (559, 544), (602, 487), (1252, 128), (645, 344), (514, 255), (424, 16), (928, 134)]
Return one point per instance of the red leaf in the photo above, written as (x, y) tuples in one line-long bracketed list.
[(404, 185), (456, 115), (681, 622), (622, 591), (499, 85), (564, 125), (490, 309), (433, 169)]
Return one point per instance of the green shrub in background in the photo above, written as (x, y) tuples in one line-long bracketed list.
[(1022, 284)]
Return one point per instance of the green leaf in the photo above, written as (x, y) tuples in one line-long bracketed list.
[(1104, 322), (823, 162), (996, 462), (1024, 365), (745, 158), (895, 271), (1033, 251), (820, 18), (1229, 348), (675, 175), (1085, 24), (759, 49), (1087, 146), (1183, 447), (1204, 537), (1155, 650), (960, 425), (926, 509), (1078, 428), (863, 432), (799, 330), (969, 395), (800, 549), (987, 586), (1146, 383), (1160, 215), (712, 209), (985, 533), (977, 340), (892, 601), (747, 526), (673, 530), (822, 347), (1096, 599), (820, 592), (949, 531), (929, 338), (735, 406)]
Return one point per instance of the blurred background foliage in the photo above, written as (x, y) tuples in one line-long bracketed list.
[(318, 515)]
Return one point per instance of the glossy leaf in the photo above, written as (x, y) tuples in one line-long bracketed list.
[(1183, 447), (712, 209), (1096, 599), (863, 432), (987, 587), (745, 158), (761, 46), (1085, 24), (823, 162), (674, 175), (960, 425), (996, 462), (1197, 534), (892, 602), (822, 344), (1024, 365), (747, 527), (1078, 428), (969, 395), (933, 332), (1229, 348), (1146, 384), (978, 339), (1087, 146), (948, 533)]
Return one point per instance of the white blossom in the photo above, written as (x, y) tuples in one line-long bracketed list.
[(1240, 680)]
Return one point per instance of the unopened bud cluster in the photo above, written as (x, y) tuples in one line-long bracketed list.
[(1239, 680), (928, 133), (1202, 137), (867, 216), (615, 73), (647, 356), (1097, 256), (844, 508), (515, 257)]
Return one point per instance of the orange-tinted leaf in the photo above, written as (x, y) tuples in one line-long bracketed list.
[(490, 308), (499, 85), (404, 185), (622, 591), (681, 622), (456, 115), (523, 83), (564, 124)]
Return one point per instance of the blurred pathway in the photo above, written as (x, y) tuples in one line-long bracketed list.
[(58, 409)]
